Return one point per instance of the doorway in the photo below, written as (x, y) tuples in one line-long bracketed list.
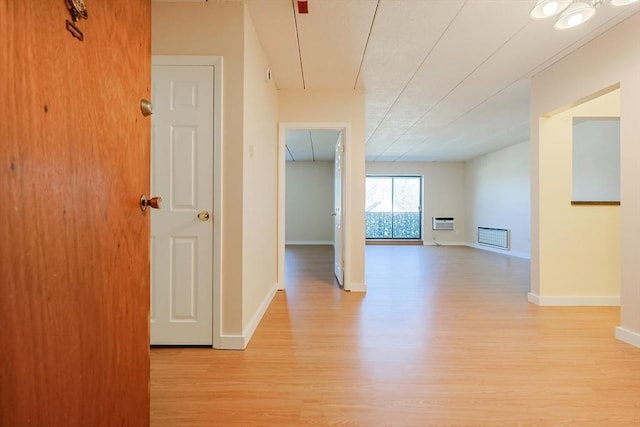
[(314, 192), (339, 217)]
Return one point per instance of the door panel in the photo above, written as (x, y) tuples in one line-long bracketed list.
[(182, 173), (74, 258), (338, 237)]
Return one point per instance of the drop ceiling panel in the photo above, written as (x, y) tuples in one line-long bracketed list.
[(443, 79), (493, 117), (317, 145), (401, 38), (472, 39), (298, 144), (273, 21), (332, 39), (478, 96), (454, 152), (452, 60), (324, 144)]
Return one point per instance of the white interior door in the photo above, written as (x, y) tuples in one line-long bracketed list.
[(182, 230), (338, 239)]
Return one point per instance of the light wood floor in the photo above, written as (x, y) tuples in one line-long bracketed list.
[(444, 336)]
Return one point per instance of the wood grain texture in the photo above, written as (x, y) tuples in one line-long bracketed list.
[(74, 260), (444, 336)]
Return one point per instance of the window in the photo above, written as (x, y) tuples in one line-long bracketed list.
[(393, 207)]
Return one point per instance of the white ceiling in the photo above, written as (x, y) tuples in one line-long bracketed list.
[(444, 80), (311, 145)]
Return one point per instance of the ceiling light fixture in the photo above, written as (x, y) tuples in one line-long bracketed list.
[(572, 12), (618, 3)]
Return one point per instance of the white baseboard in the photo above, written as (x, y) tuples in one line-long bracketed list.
[(231, 342), (628, 336), (573, 301), (309, 242), (257, 317), (240, 342), (425, 243), (498, 250), (357, 287)]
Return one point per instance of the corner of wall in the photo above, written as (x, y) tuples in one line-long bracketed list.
[(251, 327), (628, 336)]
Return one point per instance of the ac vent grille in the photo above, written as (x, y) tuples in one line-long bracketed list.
[(443, 223)]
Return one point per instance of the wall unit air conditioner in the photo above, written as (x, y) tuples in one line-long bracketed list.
[(442, 223)]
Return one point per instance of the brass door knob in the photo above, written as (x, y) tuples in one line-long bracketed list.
[(203, 216), (154, 202), (146, 107)]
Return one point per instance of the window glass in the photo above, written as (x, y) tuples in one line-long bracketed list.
[(393, 207)]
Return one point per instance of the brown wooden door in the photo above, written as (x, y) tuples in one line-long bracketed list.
[(74, 248)]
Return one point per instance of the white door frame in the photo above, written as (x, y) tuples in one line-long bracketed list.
[(216, 63), (345, 127)]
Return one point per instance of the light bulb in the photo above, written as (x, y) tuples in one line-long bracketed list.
[(546, 8), (579, 12), (575, 20), (550, 8), (617, 3)]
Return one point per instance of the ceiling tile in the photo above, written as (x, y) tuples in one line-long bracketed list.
[(332, 39), (443, 79), (275, 26), (311, 145)]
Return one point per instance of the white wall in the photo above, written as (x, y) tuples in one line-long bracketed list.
[(608, 61), (579, 245), (309, 203), (498, 195), (259, 193), (334, 107), (443, 194)]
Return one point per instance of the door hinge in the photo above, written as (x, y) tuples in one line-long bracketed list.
[(342, 264)]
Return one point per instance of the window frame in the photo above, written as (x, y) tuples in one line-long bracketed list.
[(420, 206)]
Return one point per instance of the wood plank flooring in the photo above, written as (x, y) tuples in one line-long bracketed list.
[(444, 336)]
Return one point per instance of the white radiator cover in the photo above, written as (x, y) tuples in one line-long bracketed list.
[(496, 237)]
